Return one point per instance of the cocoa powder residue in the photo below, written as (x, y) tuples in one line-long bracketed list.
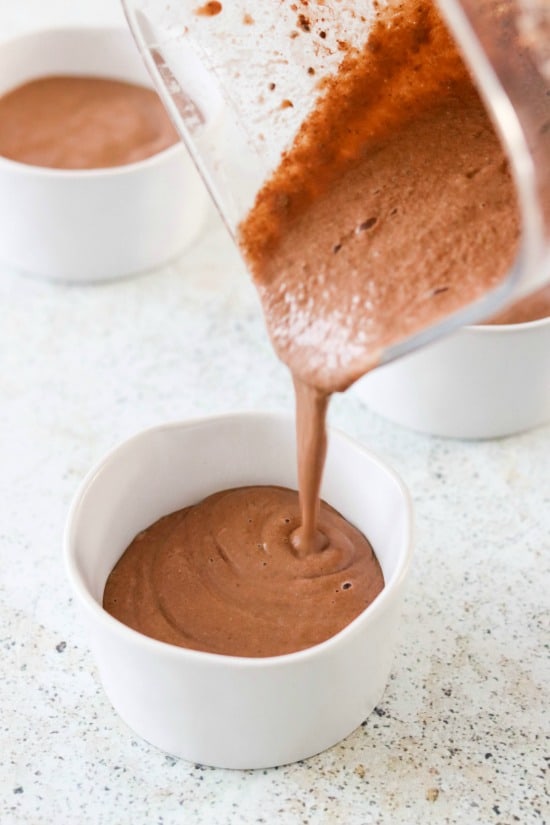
[(210, 9), (408, 62)]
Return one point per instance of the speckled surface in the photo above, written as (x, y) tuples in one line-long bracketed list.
[(461, 734)]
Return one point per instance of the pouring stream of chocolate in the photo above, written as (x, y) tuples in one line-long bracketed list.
[(393, 208), (311, 437)]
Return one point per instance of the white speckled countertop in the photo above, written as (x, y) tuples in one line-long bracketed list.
[(459, 736)]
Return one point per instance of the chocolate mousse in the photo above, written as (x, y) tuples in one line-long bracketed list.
[(222, 576), (82, 123), (534, 307)]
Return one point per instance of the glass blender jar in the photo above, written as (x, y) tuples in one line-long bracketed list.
[(223, 80)]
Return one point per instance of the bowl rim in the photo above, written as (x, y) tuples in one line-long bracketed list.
[(153, 646), (488, 329), (104, 171)]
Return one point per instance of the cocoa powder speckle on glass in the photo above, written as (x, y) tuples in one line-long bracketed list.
[(210, 9)]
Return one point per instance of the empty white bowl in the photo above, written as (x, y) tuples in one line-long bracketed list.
[(482, 382), (227, 711), (88, 225)]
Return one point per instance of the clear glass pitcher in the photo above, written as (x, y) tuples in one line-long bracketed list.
[(239, 80)]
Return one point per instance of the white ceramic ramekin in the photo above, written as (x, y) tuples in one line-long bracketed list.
[(482, 382), (89, 225), (229, 711)]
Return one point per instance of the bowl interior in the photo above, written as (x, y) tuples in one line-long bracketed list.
[(169, 467), (99, 52)]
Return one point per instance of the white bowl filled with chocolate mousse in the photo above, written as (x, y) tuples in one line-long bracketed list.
[(484, 381), (94, 182), (220, 636)]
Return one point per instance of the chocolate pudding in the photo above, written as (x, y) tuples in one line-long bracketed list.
[(82, 123), (210, 9), (532, 308), (222, 576)]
